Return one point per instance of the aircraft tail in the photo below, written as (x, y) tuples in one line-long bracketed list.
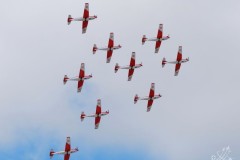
[(94, 48), (65, 79), (164, 62), (83, 115), (69, 20), (136, 99), (51, 153), (116, 67), (144, 38)]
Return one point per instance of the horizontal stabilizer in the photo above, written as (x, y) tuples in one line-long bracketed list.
[(136, 99), (116, 67), (51, 153), (94, 48), (83, 115), (65, 79), (164, 62), (144, 38), (69, 20)]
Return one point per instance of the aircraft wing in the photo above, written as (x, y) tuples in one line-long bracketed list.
[(179, 55), (159, 36), (133, 57), (177, 68), (152, 89), (150, 102), (111, 40), (109, 55), (157, 46), (85, 16), (98, 108), (86, 11), (179, 58), (80, 84), (82, 71), (68, 145), (98, 111), (84, 26), (160, 31), (97, 122), (130, 74), (66, 156)]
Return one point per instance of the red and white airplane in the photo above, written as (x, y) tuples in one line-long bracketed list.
[(67, 150), (178, 61), (158, 39), (80, 78), (97, 115), (109, 49), (131, 67), (84, 19), (149, 98)]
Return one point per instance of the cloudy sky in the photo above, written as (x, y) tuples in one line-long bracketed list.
[(197, 116)]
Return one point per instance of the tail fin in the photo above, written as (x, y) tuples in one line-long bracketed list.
[(69, 20), (94, 48), (83, 115), (136, 99), (116, 67), (164, 62), (65, 79), (144, 38), (51, 153)]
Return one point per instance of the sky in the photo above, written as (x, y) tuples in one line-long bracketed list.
[(197, 115)]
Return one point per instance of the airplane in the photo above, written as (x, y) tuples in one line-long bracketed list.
[(67, 152), (131, 67), (178, 61), (109, 49), (149, 98), (84, 19), (80, 78), (97, 115), (158, 39)]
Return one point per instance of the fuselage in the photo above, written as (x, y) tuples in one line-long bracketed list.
[(64, 152), (130, 67), (158, 39), (179, 62), (79, 79), (83, 18), (150, 98)]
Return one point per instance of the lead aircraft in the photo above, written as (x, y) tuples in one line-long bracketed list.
[(98, 114), (84, 19), (80, 78), (149, 98), (67, 150), (131, 67), (109, 49), (178, 61), (158, 39)]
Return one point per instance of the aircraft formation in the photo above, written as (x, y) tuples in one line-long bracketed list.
[(131, 67)]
